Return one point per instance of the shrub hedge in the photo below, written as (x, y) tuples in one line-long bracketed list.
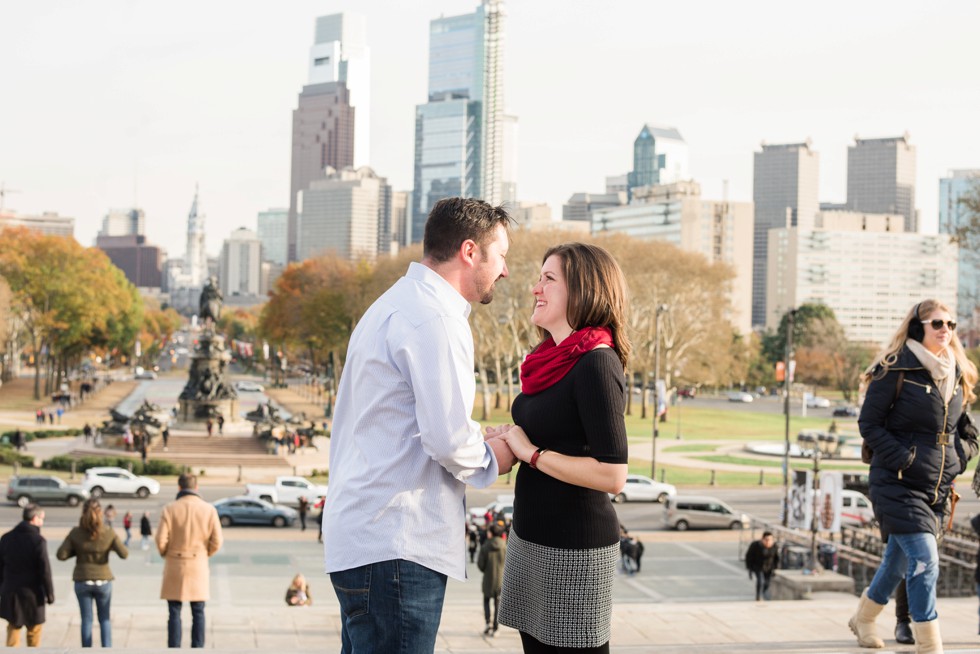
[(152, 467)]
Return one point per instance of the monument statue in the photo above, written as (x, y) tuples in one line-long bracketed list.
[(211, 299)]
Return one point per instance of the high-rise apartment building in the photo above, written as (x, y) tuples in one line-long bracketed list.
[(273, 231), (140, 261), (660, 156), (868, 274), (784, 192), (582, 206), (124, 222), (342, 213), (462, 133), (196, 256), (48, 223), (881, 178), (325, 129), (240, 264), (953, 215)]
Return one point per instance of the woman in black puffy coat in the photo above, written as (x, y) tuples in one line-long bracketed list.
[(914, 420)]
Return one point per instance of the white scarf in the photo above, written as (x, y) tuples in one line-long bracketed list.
[(942, 368)]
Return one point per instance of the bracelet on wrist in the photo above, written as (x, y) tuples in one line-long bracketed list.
[(533, 461)]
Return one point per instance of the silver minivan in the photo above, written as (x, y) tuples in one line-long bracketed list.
[(683, 512)]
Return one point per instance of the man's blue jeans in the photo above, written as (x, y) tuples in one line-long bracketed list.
[(390, 607), (174, 626), (916, 558), (102, 596)]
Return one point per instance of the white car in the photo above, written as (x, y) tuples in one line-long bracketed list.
[(856, 509), (118, 481), (817, 402), (739, 396), (249, 387), (640, 488)]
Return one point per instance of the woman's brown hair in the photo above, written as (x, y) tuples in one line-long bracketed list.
[(91, 520), (597, 292)]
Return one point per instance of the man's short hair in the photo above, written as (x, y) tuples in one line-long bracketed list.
[(766, 534), (454, 220), (496, 530), (31, 511), (187, 481)]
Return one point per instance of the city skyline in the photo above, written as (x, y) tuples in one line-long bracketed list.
[(134, 104)]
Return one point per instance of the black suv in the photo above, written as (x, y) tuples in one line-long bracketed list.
[(40, 489)]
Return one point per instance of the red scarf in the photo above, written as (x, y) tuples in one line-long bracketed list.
[(548, 363)]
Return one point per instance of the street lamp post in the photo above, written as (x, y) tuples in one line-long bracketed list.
[(787, 380), (661, 308)]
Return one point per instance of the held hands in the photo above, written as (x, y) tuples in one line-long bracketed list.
[(501, 450), (519, 443)]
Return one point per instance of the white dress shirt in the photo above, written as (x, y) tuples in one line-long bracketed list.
[(404, 444)]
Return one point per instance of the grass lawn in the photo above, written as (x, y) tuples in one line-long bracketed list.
[(696, 477), (776, 463), (693, 447)]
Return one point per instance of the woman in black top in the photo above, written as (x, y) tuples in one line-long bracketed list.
[(564, 542), (914, 420)]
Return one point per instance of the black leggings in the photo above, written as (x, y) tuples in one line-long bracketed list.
[(902, 603), (533, 646), (486, 609)]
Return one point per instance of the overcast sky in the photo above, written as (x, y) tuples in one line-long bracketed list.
[(119, 103)]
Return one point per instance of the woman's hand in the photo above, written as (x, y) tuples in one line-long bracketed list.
[(519, 443), (495, 432)]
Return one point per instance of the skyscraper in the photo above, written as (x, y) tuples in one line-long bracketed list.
[(462, 133), (881, 177), (240, 264), (952, 216), (784, 190), (195, 257), (325, 131), (124, 222), (273, 229), (659, 157)]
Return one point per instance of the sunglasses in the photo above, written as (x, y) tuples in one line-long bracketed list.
[(937, 324)]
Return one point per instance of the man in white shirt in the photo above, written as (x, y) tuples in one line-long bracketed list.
[(404, 445)]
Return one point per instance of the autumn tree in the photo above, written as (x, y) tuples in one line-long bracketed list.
[(69, 299)]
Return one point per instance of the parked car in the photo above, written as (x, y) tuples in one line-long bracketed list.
[(688, 391), (503, 504), (144, 374), (249, 387), (846, 411), (817, 402), (639, 488), (42, 489), (739, 396), (110, 480), (286, 490), (683, 512), (251, 511), (856, 509)]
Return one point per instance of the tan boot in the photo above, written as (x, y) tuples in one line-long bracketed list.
[(927, 637), (862, 623)]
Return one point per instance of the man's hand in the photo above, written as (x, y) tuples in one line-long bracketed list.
[(505, 458)]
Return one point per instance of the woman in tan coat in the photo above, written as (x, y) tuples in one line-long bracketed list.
[(189, 533), (90, 543)]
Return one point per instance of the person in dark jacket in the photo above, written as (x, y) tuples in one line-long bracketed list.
[(25, 578), (762, 559), (915, 423), (491, 564), (90, 543)]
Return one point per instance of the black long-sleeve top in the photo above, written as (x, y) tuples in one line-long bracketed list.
[(580, 415)]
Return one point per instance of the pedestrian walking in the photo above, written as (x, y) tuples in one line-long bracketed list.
[(303, 508), (60, 411), (563, 545), (920, 437), (209, 425), (109, 515), (146, 531), (19, 440), (25, 578), (165, 434), (87, 432), (90, 543), (221, 424), (762, 560), (189, 533), (405, 403), (143, 449), (491, 564), (127, 527)]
